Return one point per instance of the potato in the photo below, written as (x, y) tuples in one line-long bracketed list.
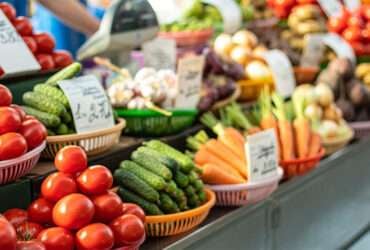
[(307, 27), (362, 70), (366, 79), (240, 54), (306, 12), (297, 43), (286, 34), (293, 21)]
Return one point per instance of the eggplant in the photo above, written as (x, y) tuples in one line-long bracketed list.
[(359, 95)]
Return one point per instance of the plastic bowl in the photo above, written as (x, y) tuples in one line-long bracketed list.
[(248, 193), (251, 90), (188, 38), (305, 75), (10, 170), (332, 145)]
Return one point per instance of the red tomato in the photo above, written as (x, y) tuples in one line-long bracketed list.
[(46, 61), (2, 72), (352, 34), (366, 34), (107, 207), (73, 211), (16, 216), (62, 58), (8, 10), (95, 180), (57, 238), (40, 211), (359, 48), (12, 145), (356, 21), (30, 245), (10, 121), (29, 117), (6, 97), (336, 24), (131, 208), (34, 133), (28, 230), (128, 230), (71, 160), (23, 26), (95, 236), (58, 185), (366, 11), (20, 111), (31, 43), (8, 235), (45, 42)]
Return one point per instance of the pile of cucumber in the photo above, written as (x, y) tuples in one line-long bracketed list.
[(160, 179), (49, 105)]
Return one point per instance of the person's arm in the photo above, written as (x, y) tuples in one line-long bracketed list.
[(74, 14)]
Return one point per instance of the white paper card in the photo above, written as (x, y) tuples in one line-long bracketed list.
[(313, 51), (352, 4), (160, 53), (282, 71), (230, 12), (331, 7), (262, 155), (15, 57), (189, 73), (90, 106), (340, 46)]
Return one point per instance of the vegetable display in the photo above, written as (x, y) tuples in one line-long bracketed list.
[(160, 179)]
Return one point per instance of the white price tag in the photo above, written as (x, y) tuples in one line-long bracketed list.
[(15, 57), (282, 71), (160, 53), (189, 73), (262, 155), (230, 12), (90, 106), (331, 8), (352, 4), (313, 51), (340, 46)]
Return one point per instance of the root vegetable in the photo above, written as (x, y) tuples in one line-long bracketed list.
[(313, 112), (324, 95), (223, 44), (240, 54), (245, 38)]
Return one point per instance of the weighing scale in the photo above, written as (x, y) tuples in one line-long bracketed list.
[(126, 24)]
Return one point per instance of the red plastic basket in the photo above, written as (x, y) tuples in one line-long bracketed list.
[(189, 38)]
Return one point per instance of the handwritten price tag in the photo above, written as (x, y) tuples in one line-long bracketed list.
[(340, 46), (189, 73), (282, 71), (160, 53), (15, 57), (261, 151), (313, 51), (90, 107), (352, 4), (332, 8)]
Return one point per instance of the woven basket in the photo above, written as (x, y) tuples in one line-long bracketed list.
[(246, 194), (188, 38), (10, 170), (171, 224), (251, 90), (332, 145), (93, 143)]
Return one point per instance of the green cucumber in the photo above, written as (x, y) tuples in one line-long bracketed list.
[(62, 129), (202, 196), (64, 74), (168, 205), (193, 177), (49, 120), (52, 92), (198, 185), (43, 103), (181, 179), (149, 207), (165, 160), (67, 117)]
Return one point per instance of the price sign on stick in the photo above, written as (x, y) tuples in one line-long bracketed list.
[(332, 8), (313, 51), (90, 106), (15, 57), (282, 71), (352, 4), (262, 155), (160, 53), (189, 74)]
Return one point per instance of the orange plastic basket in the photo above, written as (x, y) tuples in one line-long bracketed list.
[(250, 90), (298, 167), (171, 224)]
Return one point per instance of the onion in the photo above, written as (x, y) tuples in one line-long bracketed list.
[(258, 71), (328, 129), (307, 92), (223, 44), (313, 112), (240, 54), (245, 38), (324, 95)]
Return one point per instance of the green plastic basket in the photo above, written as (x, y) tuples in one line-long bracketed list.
[(144, 122)]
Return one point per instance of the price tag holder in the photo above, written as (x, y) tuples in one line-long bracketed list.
[(189, 74), (282, 71), (160, 53), (313, 51), (340, 46), (352, 4), (230, 12), (261, 151), (15, 57), (90, 106), (332, 8)]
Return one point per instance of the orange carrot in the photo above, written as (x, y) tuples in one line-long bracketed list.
[(302, 128), (315, 144), (254, 130), (235, 141), (203, 156), (213, 174), (218, 148)]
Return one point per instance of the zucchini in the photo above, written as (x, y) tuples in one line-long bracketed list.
[(185, 163), (198, 185), (149, 207), (62, 129), (43, 103), (168, 205), (129, 180), (49, 120), (64, 74), (52, 92), (152, 164), (155, 181), (181, 179), (165, 160)]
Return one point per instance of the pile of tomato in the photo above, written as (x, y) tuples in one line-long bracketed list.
[(282, 8), (354, 27), (19, 133), (76, 210), (42, 45)]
